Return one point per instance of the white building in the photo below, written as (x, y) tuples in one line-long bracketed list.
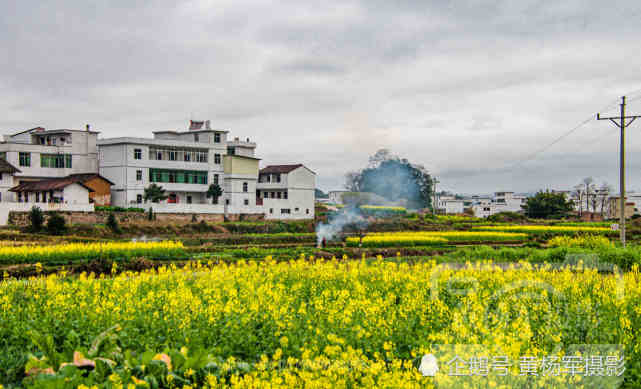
[(454, 206), (500, 202), (287, 191), (184, 163), (336, 196), (39, 154)]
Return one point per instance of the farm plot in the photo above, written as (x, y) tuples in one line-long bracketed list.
[(303, 324), (427, 238)]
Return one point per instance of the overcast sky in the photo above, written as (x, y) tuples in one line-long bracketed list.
[(468, 88)]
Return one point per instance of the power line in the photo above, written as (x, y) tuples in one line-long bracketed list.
[(560, 138)]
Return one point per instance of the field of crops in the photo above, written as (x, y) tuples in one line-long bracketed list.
[(68, 253), (262, 309), (532, 229), (323, 324), (426, 238)]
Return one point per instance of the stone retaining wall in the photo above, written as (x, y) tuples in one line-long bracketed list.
[(22, 218)]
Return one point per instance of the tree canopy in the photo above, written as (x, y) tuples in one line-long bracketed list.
[(154, 193), (393, 178), (548, 205)]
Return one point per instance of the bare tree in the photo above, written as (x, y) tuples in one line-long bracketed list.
[(588, 190), (578, 192), (604, 194)]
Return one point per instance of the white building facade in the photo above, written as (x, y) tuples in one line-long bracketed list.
[(287, 191), (41, 154), (186, 163), (499, 202)]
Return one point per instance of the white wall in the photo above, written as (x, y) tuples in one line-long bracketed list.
[(75, 194), (5, 208)]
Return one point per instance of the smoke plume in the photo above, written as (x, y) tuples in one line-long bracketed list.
[(346, 217)]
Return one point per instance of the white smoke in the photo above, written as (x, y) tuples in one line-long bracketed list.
[(346, 216)]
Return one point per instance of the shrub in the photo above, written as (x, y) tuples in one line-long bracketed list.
[(112, 223), (36, 219), (56, 224)]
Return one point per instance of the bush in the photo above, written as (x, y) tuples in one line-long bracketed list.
[(56, 224), (107, 208), (112, 223), (36, 219)]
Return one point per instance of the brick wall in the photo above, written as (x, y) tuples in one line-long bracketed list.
[(22, 218)]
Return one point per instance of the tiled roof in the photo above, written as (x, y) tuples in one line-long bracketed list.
[(6, 167), (57, 183), (282, 169)]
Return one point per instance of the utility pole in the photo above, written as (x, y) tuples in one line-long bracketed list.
[(434, 181), (622, 125)]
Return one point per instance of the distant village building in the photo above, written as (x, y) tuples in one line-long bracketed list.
[(336, 196), (499, 202)]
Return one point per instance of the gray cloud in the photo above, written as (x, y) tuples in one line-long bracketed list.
[(466, 88)]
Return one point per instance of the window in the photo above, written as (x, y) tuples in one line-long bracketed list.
[(159, 155), (215, 179), (58, 161), (278, 194), (188, 199), (3, 155), (137, 153), (277, 177), (245, 187), (37, 197), (231, 150), (138, 175), (178, 176), (216, 137), (307, 211), (227, 201), (196, 138), (246, 202), (271, 210), (0, 176), (139, 199), (25, 159), (172, 155), (19, 197), (285, 211), (296, 209), (285, 194), (217, 159), (187, 157), (273, 195)]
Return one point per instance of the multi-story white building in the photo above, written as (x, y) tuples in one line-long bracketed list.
[(287, 191), (51, 159), (184, 163)]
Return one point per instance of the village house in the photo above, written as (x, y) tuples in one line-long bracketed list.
[(286, 191), (39, 164)]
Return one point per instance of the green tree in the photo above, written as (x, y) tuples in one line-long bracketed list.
[(56, 224), (154, 193), (548, 205), (112, 223), (214, 191), (36, 218)]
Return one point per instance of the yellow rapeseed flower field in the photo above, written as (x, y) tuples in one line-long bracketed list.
[(320, 324), (417, 238), (81, 251), (543, 229)]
